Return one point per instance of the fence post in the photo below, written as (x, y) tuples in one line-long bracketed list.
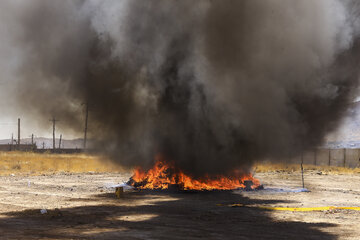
[(344, 157), (329, 157), (315, 157)]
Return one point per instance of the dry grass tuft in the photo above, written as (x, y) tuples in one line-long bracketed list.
[(27, 163), (283, 167)]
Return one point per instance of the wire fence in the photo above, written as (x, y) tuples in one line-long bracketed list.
[(344, 157)]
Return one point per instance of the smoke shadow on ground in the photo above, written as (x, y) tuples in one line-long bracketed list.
[(160, 216)]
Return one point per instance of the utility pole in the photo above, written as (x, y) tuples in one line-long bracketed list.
[(43, 144), (18, 133), (86, 123), (302, 163), (302, 169), (60, 141), (33, 145), (54, 122), (12, 141)]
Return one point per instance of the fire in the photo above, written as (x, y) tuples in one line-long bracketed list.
[(163, 175)]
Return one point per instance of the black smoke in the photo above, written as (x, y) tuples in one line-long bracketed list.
[(212, 85)]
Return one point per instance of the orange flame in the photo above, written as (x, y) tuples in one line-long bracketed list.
[(163, 174)]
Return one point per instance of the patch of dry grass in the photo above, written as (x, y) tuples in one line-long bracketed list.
[(27, 163), (283, 167), (35, 163)]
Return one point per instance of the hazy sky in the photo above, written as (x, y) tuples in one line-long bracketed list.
[(10, 112), (10, 59)]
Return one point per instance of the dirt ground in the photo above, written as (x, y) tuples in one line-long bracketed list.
[(84, 206)]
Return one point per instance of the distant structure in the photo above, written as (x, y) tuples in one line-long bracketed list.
[(29, 145)]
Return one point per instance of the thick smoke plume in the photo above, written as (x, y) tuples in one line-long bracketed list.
[(211, 85)]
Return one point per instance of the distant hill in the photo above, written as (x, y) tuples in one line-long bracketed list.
[(48, 142)]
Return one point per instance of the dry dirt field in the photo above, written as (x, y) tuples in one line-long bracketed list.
[(84, 206)]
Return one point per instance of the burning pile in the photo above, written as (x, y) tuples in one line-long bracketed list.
[(164, 175)]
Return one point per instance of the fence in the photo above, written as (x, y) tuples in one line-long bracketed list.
[(17, 147), (33, 148), (344, 157)]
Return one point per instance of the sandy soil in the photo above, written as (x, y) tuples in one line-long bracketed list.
[(83, 206)]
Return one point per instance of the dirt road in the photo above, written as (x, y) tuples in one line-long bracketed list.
[(83, 206)]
